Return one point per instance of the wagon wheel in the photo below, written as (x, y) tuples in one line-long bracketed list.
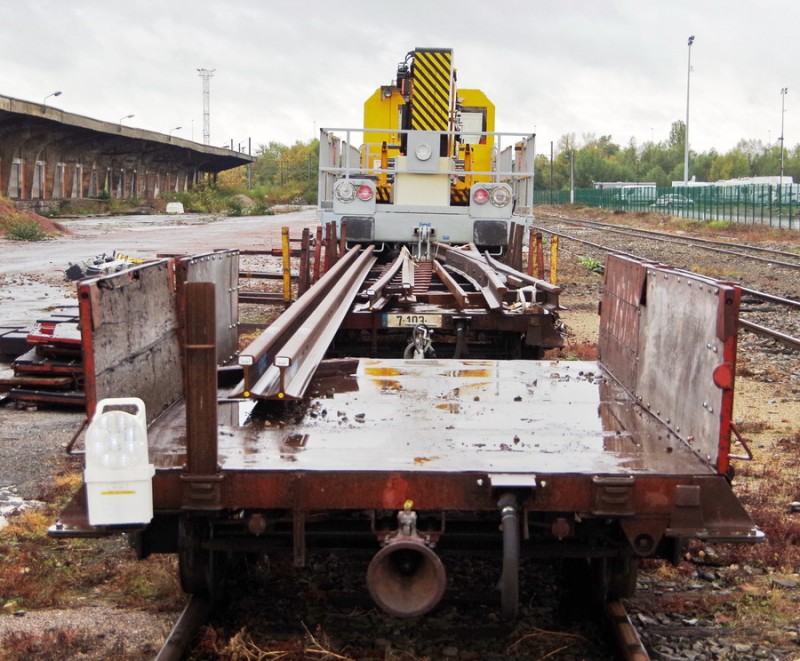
[(197, 566), (622, 576), (614, 578)]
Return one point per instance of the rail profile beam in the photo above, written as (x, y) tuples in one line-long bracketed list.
[(383, 291), (471, 263), (548, 291), (459, 295), (258, 356), (292, 352)]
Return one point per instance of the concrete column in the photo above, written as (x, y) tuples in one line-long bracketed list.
[(16, 179), (6, 160), (26, 179), (59, 181)]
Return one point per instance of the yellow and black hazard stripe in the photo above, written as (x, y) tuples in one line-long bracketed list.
[(459, 197), (383, 194), (430, 90)]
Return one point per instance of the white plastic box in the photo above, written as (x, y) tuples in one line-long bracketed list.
[(118, 475)]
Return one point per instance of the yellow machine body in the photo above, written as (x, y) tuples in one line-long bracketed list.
[(429, 100)]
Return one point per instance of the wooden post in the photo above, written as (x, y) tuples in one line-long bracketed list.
[(343, 241), (305, 260), (317, 255), (201, 379), (531, 254), (539, 256)]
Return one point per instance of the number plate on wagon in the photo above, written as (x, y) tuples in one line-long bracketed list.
[(410, 320)]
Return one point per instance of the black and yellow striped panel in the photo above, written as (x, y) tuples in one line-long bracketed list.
[(383, 194), (459, 197), (430, 90)]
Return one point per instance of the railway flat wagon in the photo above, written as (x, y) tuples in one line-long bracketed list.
[(599, 463)]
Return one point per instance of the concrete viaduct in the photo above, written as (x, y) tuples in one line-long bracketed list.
[(48, 156)]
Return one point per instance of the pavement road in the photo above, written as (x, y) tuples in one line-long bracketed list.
[(32, 279)]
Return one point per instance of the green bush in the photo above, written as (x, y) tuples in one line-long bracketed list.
[(20, 228), (261, 208), (591, 264), (719, 224), (203, 198), (235, 208)]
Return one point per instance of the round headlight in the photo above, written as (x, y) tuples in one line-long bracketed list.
[(423, 152), (365, 193), (500, 196), (345, 191), (480, 195)]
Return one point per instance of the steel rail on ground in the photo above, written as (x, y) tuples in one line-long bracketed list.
[(382, 291), (758, 329), (191, 619), (629, 643), (703, 244), (783, 338)]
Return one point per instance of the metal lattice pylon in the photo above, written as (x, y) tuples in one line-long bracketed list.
[(206, 74)]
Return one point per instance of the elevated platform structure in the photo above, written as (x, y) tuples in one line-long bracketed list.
[(49, 154)]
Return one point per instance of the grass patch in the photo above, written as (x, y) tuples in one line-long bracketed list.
[(591, 264), (37, 571), (766, 487), (51, 645), (148, 584), (719, 224), (20, 228)]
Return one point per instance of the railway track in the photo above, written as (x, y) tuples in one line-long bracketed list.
[(194, 616), (764, 313), (784, 258), (623, 637)]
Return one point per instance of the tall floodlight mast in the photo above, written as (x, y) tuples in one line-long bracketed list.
[(784, 91), (206, 74), (686, 132)]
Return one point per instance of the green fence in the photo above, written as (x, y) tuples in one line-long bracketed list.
[(755, 204)]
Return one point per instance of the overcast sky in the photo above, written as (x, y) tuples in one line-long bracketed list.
[(283, 69)]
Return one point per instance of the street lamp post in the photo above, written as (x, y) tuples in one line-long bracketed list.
[(784, 91), (44, 103), (122, 119), (686, 132), (177, 128)]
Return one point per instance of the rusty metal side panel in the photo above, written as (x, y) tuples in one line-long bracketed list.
[(680, 362), (618, 346), (222, 269), (683, 349), (129, 328)]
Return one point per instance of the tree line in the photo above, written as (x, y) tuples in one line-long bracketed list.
[(600, 159), (281, 174), (287, 174)]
